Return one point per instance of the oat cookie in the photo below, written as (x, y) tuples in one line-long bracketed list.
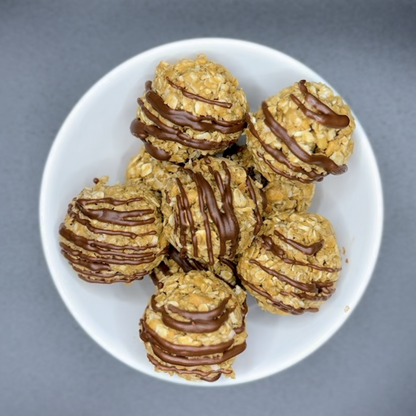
[(113, 233), (293, 265), (194, 326), (192, 108), (302, 133)]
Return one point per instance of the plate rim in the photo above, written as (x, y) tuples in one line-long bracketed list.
[(375, 179)]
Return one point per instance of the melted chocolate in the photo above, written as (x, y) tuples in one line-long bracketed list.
[(108, 278), (203, 375), (154, 151), (200, 322), (308, 250), (186, 264), (252, 193), (179, 118), (97, 267), (148, 335), (279, 252), (96, 230), (190, 362), (281, 158), (225, 221), (286, 175), (307, 287), (326, 116), (198, 97), (113, 216), (319, 160), (185, 215), (186, 119), (277, 304)]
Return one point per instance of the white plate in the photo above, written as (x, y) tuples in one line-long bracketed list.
[(95, 140)]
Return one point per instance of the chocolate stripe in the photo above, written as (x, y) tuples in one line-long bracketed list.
[(319, 160), (198, 97)]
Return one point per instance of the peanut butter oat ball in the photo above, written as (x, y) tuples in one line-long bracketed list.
[(303, 133), (225, 270), (192, 108), (211, 210), (152, 172), (194, 326), (113, 233), (292, 267)]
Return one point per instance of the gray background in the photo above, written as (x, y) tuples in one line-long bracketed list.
[(52, 52)]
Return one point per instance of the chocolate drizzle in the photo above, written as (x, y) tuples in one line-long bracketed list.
[(279, 156), (278, 304), (326, 116), (199, 322), (113, 216), (187, 264), (225, 220), (198, 97), (279, 131), (308, 250), (307, 287), (252, 193), (92, 258), (76, 217), (192, 355), (317, 291), (183, 350), (203, 375), (180, 118)]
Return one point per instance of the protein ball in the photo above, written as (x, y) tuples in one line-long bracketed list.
[(194, 326), (113, 233), (293, 266), (192, 108), (211, 210), (302, 133)]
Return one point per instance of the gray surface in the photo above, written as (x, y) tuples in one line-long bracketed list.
[(52, 52)]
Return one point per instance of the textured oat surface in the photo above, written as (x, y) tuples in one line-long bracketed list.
[(285, 194), (243, 206), (203, 78), (52, 52), (311, 136), (303, 228), (196, 291), (152, 172), (113, 233)]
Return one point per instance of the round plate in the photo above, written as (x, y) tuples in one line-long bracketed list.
[(95, 140)]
